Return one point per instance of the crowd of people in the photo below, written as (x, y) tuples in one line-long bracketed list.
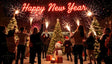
[(39, 43)]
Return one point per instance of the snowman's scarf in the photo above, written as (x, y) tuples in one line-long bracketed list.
[(56, 49)]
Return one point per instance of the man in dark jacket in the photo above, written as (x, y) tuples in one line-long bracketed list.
[(36, 41), (3, 45)]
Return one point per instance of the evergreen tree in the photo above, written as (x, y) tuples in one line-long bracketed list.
[(57, 36), (12, 24), (96, 27)]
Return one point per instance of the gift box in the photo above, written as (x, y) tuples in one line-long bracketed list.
[(48, 57), (59, 59)]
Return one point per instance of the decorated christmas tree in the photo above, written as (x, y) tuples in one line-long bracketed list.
[(12, 24), (57, 36), (96, 29)]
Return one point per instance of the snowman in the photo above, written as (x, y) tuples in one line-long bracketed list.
[(58, 49)]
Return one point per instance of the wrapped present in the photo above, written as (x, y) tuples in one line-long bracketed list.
[(59, 59), (48, 58)]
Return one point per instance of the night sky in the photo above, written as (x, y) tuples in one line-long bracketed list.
[(100, 8)]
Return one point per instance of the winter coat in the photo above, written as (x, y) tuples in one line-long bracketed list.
[(3, 43), (46, 40), (67, 45), (103, 48), (90, 43), (11, 44), (35, 39)]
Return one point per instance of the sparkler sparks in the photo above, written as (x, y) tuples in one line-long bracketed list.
[(31, 19), (78, 22), (16, 11), (47, 24), (89, 13), (68, 27)]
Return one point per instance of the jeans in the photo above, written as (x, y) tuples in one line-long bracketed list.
[(78, 49), (20, 51)]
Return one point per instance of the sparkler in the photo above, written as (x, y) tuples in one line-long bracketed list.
[(68, 27), (17, 12), (31, 19), (89, 13), (47, 24), (78, 22), (93, 30)]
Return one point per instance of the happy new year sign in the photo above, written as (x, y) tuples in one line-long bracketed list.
[(52, 7)]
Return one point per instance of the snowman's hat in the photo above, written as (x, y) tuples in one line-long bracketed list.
[(59, 42)]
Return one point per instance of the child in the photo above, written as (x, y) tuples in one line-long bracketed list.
[(68, 45)]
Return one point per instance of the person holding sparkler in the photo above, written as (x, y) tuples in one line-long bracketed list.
[(36, 41), (46, 40), (78, 47)]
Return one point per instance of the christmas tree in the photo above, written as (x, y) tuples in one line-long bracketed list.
[(95, 27), (12, 24), (57, 36)]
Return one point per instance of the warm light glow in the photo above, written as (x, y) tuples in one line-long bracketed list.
[(53, 58), (78, 22), (31, 19), (68, 27), (89, 13), (17, 12), (47, 24)]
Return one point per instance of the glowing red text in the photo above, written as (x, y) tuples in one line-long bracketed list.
[(54, 7), (33, 9), (73, 7)]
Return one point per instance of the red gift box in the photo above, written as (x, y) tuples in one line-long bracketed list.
[(48, 58), (59, 59)]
